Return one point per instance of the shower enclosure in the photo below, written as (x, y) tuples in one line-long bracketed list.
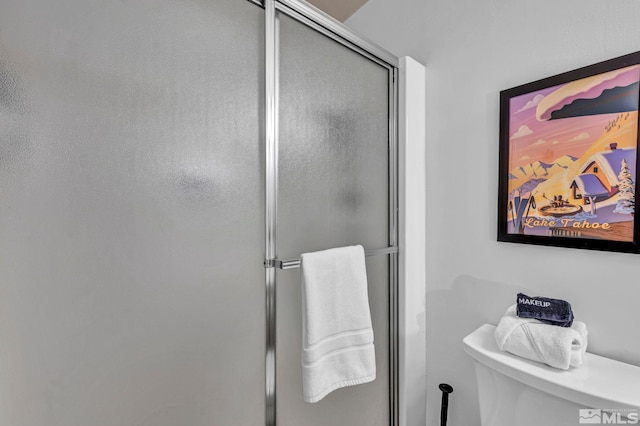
[(160, 162)]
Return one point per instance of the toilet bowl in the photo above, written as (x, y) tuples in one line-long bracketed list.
[(517, 392)]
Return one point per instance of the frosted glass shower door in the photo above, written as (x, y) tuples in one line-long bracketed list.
[(333, 190), (131, 213)]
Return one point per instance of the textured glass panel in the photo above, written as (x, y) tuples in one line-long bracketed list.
[(333, 165), (131, 213), (362, 405), (333, 191)]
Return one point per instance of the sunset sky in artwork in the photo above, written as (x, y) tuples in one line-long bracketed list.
[(546, 140)]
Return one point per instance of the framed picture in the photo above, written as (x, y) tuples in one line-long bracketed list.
[(568, 158)]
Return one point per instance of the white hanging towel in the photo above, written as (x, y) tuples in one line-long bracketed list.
[(337, 337)]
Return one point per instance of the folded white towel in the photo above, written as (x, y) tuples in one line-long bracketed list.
[(337, 337), (559, 347)]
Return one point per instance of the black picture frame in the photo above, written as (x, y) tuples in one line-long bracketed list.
[(562, 182)]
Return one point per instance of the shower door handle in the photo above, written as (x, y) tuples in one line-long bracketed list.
[(282, 264)]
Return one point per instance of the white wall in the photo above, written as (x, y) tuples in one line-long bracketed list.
[(411, 271), (472, 51)]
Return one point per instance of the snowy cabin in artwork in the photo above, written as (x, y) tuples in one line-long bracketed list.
[(598, 178)]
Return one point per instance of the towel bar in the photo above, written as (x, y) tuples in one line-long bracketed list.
[(295, 263)]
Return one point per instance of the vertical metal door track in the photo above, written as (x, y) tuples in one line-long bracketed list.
[(271, 193)]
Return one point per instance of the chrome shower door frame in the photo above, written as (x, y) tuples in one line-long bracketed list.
[(317, 20)]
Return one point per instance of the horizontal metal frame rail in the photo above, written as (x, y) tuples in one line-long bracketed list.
[(341, 33), (297, 263)]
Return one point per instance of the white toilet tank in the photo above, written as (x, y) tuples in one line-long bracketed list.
[(517, 392)]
